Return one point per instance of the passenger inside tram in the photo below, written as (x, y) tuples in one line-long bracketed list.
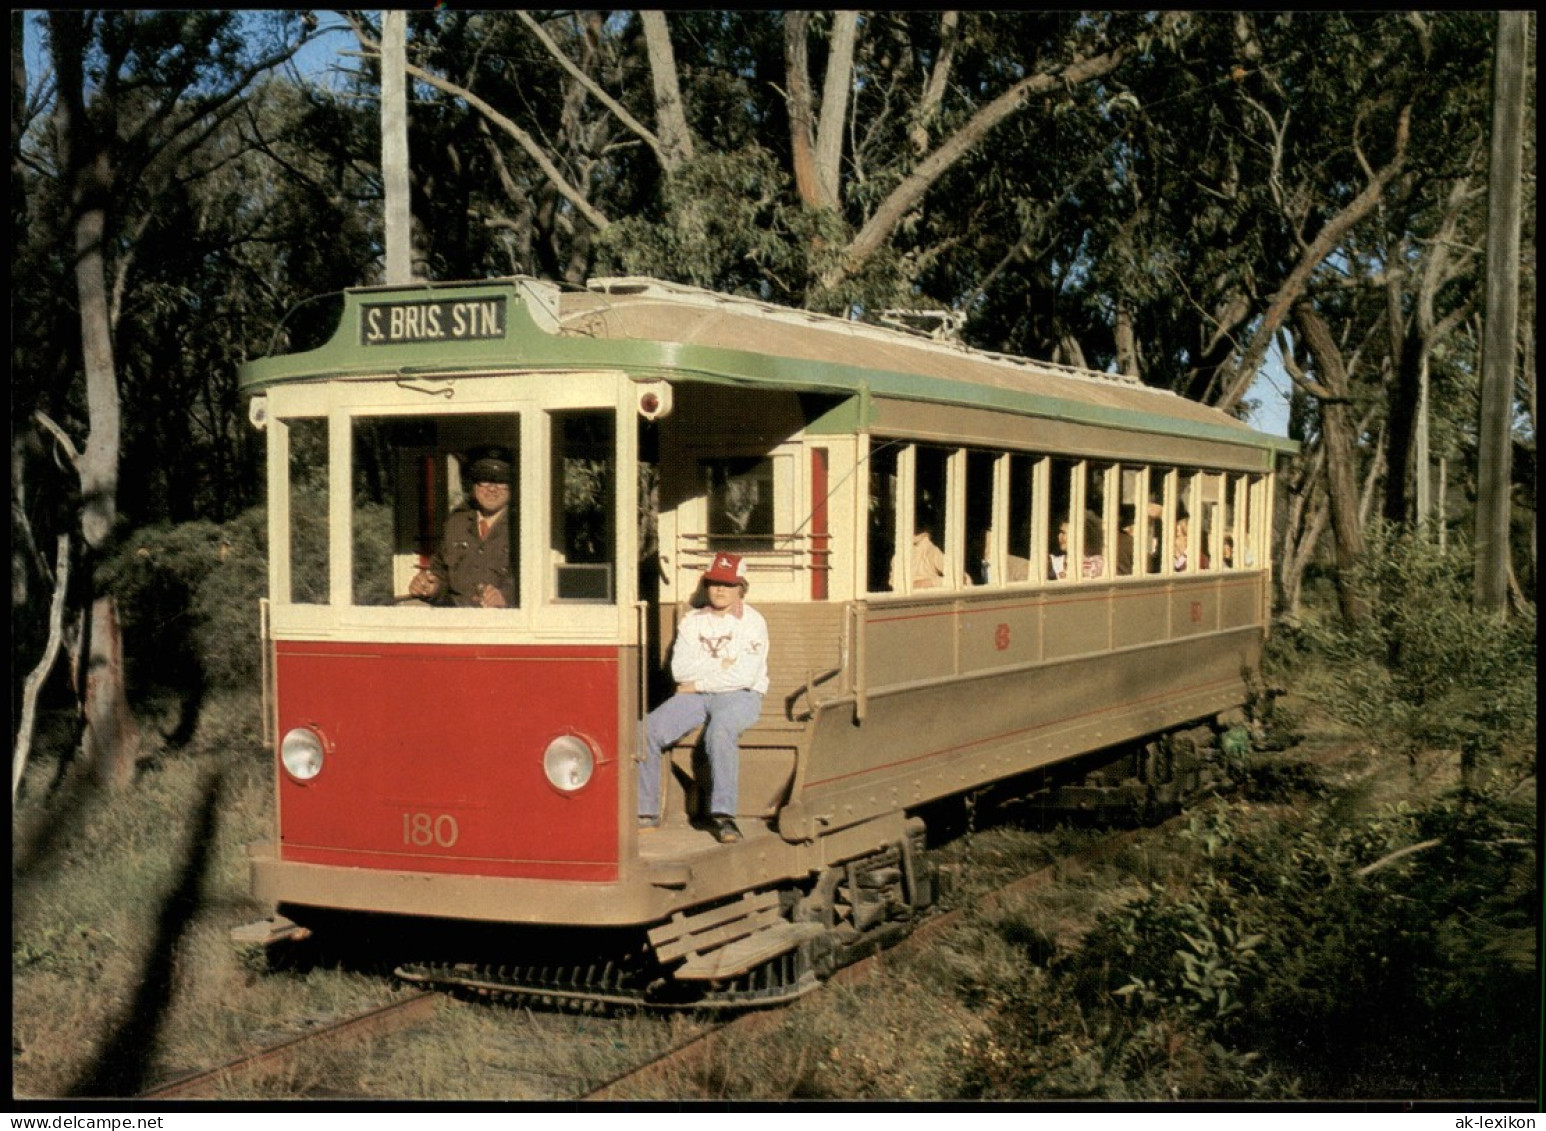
[(1092, 565), (1127, 537), (927, 561), (472, 567), (1057, 562), (1183, 530)]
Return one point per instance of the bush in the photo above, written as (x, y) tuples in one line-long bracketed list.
[(1340, 954), (188, 601), (1425, 669)]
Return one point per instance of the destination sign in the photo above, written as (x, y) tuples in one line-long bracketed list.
[(399, 323)]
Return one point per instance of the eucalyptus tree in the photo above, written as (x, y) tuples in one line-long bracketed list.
[(789, 154), (138, 96)]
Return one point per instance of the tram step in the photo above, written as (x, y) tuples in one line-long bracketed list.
[(715, 927), (276, 928), (739, 957)]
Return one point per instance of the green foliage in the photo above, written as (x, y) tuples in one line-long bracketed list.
[(1350, 954), (1425, 668), (373, 554), (188, 601), (723, 223)]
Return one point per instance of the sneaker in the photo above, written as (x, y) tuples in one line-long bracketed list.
[(648, 824), (725, 831)]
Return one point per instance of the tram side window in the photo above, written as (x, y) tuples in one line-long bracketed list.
[(1155, 523), (884, 456), (583, 529), (310, 557), (1253, 536), (1094, 563), (1022, 514), (1210, 544), (1060, 537), (419, 510), (1132, 523), (1233, 513), (740, 503), (931, 518), (1186, 545), (980, 468)]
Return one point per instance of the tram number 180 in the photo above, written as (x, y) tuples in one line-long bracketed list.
[(420, 830)]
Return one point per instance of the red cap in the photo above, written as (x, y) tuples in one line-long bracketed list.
[(727, 568)]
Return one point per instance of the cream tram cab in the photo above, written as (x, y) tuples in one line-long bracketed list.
[(971, 566)]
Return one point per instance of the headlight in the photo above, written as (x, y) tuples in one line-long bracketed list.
[(568, 762), (301, 753)]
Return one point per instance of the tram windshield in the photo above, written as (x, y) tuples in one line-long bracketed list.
[(416, 510), (457, 510)]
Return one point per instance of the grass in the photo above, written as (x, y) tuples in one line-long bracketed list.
[(114, 937), (1239, 956)]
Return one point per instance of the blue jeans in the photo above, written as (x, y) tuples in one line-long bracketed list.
[(727, 714)]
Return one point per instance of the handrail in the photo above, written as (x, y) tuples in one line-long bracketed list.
[(796, 551), (861, 614), (643, 610), (265, 674)]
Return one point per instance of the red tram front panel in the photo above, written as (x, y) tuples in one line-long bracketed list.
[(434, 758)]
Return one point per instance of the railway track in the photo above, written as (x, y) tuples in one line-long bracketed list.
[(637, 1082), (559, 1056), (279, 1058)]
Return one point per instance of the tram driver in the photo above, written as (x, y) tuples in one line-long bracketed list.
[(720, 664), (472, 567)]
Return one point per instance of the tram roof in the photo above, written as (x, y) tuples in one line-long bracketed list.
[(660, 330)]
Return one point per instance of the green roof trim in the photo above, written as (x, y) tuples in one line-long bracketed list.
[(527, 345)]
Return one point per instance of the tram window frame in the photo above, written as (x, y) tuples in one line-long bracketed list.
[(1064, 477), (1188, 501), (1231, 521), (1168, 490), (939, 504), (1099, 509), (758, 471), (1255, 552), (1128, 528), (457, 435), (557, 528), (883, 506), (1024, 521), (932, 505), (983, 525), (307, 581)]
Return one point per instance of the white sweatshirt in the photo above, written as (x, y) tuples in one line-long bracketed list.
[(722, 653)]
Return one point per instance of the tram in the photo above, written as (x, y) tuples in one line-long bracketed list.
[(1100, 576)]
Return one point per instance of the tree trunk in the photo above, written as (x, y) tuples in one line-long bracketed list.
[(33, 687), (670, 115), (1495, 431), (1404, 420), (1338, 439), (1372, 476), (797, 84), (1303, 553), (1127, 343), (89, 176), (111, 738), (1302, 525), (939, 79), (834, 107)]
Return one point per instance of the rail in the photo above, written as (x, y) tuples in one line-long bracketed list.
[(277, 1058)]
